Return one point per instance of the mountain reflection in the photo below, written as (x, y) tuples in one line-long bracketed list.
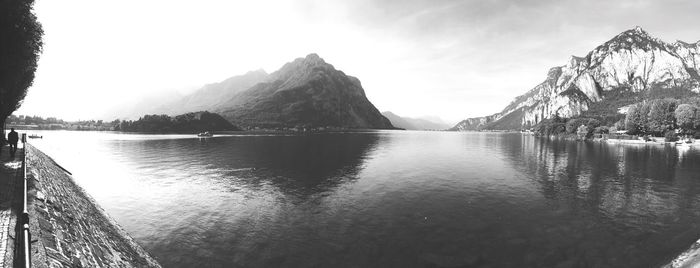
[(597, 172), (390, 198), (295, 164), (632, 189)]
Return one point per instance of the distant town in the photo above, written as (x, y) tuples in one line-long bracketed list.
[(26, 122)]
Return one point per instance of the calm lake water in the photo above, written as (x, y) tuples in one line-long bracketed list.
[(389, 198)]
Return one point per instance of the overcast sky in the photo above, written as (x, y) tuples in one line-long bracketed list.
[(452, 59)]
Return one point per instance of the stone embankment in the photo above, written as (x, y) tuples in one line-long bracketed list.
[(688, 259), (69, 228)]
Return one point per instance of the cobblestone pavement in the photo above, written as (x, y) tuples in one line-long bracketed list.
[(10, 170)]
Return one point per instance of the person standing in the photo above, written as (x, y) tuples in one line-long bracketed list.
[(13, 138)]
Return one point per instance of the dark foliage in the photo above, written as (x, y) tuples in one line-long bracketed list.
[(658, 116), (637, 118), (670, 136), (20, 46), (601, 130), (661, 116), (687, 116), (185, 123), (550, 127), (573, 124), (607, 110)]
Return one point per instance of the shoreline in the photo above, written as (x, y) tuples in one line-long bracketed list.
[(654, 140), (688, 258), (70, 226), (231, 132)]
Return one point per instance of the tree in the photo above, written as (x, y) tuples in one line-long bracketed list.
[(619, 125), (685, 116), (635, 119), (20, 46), (662, 116), (582, 131), (601, 130), (573, 125), (592, 124), (670, 136)]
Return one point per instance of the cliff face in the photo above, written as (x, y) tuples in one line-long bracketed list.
[(631, 61), (305, 92)]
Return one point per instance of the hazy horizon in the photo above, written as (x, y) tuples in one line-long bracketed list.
[(453, 59)]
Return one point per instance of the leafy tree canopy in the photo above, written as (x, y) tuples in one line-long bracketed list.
[(20, 46)]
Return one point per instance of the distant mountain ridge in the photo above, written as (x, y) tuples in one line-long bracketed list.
[(414, 123), (307, 92), (632, 62), (216, 94)]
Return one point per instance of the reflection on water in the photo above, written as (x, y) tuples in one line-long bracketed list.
[(390, 198)]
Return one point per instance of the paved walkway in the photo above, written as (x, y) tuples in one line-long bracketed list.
[(10, 172)]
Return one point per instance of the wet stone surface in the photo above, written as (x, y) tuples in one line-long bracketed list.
[(10, 173), (71, 230)]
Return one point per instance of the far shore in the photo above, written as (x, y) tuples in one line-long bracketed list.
[(652, 141), (223, 132)]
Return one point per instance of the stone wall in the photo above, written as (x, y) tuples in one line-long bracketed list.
[(688, 259), (69, 228)]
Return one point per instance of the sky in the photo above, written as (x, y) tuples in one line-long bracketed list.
[(452, 59)]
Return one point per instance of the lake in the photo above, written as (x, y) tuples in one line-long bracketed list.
[(389, 198)]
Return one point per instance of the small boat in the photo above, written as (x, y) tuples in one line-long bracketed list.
[(205, 134), (35, 136)]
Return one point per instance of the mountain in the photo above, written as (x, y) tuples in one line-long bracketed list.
[(205, 98), (435, 119), (630, 67), (216, 94), (414, 123), (306, 92)]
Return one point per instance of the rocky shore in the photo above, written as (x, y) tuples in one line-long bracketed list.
[(69, 228), (688, 259)]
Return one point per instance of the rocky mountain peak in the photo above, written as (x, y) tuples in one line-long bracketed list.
[(637, 32), (636, 38), (310, 61), (314, 59), (632, 62), (300, 70)]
